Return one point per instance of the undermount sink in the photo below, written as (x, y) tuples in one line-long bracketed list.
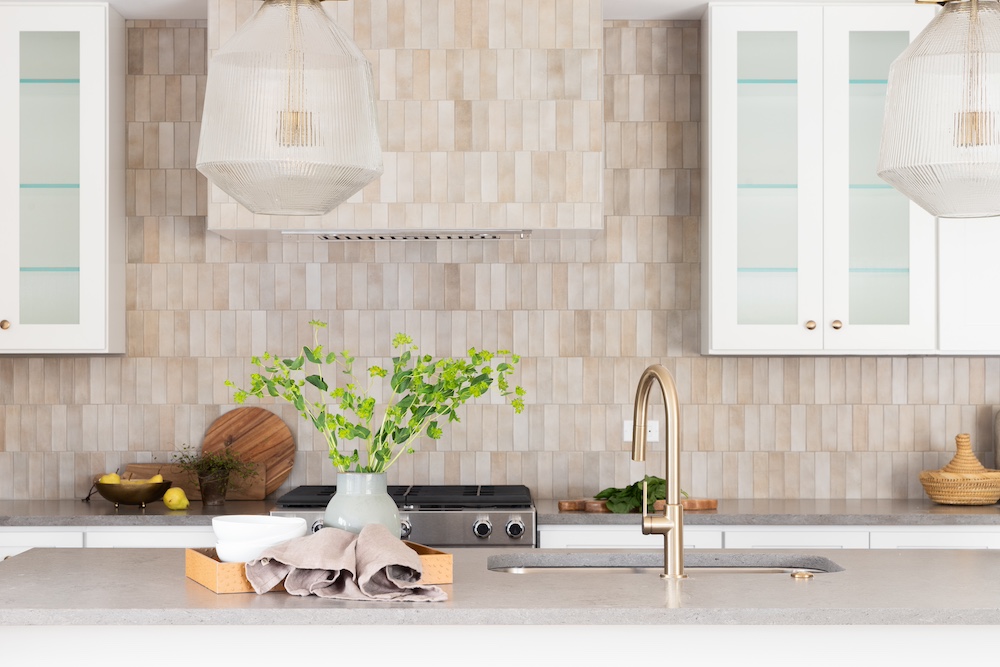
[(643, 563)]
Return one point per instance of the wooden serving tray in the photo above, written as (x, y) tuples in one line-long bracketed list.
[(601, 506)]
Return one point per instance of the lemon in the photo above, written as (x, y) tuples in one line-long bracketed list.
[(110, 478), (175, 499)]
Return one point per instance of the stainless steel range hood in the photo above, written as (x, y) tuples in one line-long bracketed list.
[(429, 235)]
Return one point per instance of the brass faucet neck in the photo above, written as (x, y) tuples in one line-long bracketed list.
[(671, 524)]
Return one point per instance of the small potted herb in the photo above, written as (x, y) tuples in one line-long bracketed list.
[(215, 471)]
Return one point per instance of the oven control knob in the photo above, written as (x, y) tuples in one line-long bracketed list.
[(316, 526), (482, 528), (405, 528), (515, 528)]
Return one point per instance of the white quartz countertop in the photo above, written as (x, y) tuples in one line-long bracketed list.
[(149, 587)]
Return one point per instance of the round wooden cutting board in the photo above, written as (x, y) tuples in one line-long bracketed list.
[(257, 435)]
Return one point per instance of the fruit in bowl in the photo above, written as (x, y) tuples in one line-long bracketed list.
[(131, 491)]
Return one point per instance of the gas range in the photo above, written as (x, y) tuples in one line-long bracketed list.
[(438, 515)]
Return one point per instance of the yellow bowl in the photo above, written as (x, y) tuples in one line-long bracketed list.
[(133, 494)]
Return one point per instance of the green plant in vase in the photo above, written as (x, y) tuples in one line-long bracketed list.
[(423, 392), (215, 471)]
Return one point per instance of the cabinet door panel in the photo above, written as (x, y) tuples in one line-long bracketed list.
[(764, 194), (21, 539), (935, 539), (142, 538), (620, 537), (879, 247), (796, 538), (970, 274), (63, 134)]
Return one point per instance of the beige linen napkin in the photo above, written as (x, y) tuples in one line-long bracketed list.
[(333, 563)]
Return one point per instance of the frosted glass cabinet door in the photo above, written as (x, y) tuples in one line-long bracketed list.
[(879, 246), (60, 259), (763, 179), (805, 249)]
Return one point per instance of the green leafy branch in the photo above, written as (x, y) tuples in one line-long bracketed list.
[(629, 499), (424, 391)]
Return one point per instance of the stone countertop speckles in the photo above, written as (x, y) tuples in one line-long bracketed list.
[(881, 587)]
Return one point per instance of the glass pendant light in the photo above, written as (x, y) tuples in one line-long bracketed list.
[(941, 132), (289, 125)]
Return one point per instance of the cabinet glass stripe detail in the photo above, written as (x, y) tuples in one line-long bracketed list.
[(50, 269), (870, 186), (767, 186), (875, 82), (789, 82), (773, 269), (879, 270), (62, 81), (50, 186)]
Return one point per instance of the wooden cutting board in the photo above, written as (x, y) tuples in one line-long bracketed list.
[(257, 435), (601, 506), (251, 489)]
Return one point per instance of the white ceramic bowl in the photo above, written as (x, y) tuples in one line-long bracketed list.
[(243, 551), (257, 527)]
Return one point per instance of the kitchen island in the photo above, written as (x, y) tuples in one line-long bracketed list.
[(917, 602)]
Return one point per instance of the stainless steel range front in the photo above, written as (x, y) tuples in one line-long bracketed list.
[(439, 516)]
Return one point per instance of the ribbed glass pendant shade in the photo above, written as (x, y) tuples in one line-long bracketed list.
[(290, 125), (941, 133)]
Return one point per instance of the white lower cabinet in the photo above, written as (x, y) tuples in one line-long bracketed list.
[(796, 537), (621, 537), (938, 537), (597, 536), (16, 540), (146, 537)]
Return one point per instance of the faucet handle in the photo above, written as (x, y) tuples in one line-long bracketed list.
[(645, 497)]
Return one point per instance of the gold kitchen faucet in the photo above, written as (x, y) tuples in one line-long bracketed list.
[(671, 524)]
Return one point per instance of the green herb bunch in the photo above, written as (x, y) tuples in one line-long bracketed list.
[(221, 464), (424, 391), (629, 499)]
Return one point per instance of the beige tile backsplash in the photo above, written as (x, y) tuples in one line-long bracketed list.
[(587, 316)]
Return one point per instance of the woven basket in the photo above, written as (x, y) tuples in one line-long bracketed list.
[(964, 481)]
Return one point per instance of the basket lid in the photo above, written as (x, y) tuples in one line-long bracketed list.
[(965, 461)]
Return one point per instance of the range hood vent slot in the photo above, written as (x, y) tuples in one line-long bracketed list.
[(435, 235)]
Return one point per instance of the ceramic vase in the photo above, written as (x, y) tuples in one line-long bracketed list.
[(361, 498)]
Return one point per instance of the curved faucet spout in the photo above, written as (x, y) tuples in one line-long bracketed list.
[(671, 524)]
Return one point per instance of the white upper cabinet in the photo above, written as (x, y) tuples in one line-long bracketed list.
[(805, 249), (62, 132), (970, 276)]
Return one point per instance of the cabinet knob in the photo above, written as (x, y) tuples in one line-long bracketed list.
[(811, 324), (4, 324), (837, 324)]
